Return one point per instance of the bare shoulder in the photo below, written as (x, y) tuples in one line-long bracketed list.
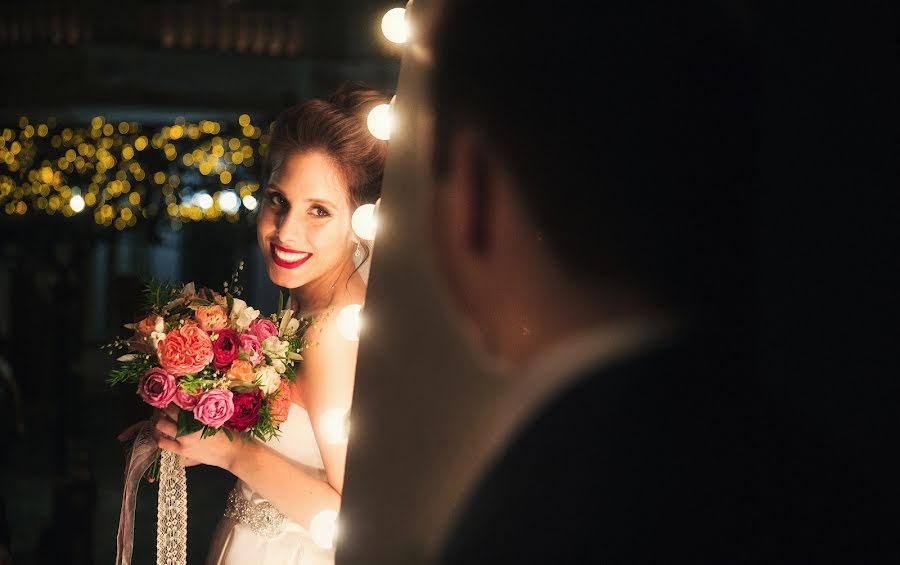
[(326, 345)]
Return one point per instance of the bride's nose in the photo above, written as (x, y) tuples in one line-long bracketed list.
[(290, 227)]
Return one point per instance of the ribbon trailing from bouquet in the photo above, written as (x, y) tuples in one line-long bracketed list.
[(171, 512), (171, 517)]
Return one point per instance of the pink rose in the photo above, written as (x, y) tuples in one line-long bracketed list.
[(263, 328), (157, 387), (215, 407), (251, 348), (185, 350), (184, 400), (211, 318), (225, 349)]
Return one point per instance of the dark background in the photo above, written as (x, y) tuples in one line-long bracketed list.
[(829, 150), (68, 283)]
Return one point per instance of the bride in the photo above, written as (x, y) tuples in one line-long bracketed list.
[(322, 164)]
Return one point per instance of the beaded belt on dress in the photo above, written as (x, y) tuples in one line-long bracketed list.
[(263, 518)]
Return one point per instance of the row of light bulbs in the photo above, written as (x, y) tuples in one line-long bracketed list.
[(334, 425)]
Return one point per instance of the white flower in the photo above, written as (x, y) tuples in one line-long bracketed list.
[(188, 290), (268, 377), (279, 366), (291, 327), (156, 337), (274, 347), (242, 315)]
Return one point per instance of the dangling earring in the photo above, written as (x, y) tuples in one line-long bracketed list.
[(358, 252)]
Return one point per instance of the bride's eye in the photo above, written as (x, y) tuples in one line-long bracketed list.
[(275, 199), (319, 212)]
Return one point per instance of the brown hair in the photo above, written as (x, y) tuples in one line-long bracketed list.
[(336, 126)]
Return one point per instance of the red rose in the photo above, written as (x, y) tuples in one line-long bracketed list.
[(246, 411), (225, 349)]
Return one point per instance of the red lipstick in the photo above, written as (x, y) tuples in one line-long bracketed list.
[(288, 264)]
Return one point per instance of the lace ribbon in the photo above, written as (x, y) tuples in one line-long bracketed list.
[(171, 517), (171, 512)]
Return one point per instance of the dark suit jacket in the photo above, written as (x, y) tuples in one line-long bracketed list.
[(661, 457)]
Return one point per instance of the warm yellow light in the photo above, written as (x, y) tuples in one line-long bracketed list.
[(225, 177), (123, 127), (323, 528), (140, 143), (379, 121), (187, 159), (159, 177), (176, 131), (42, 130), (46, 175), (244, 120), (250, 202), (394, 25), (349, 322), (127, 152), (363, 222), (108, 130), (134, 198)]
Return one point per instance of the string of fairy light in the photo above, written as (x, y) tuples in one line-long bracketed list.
[(123, 172)]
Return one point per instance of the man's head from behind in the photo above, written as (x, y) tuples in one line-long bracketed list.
[(589, 165)]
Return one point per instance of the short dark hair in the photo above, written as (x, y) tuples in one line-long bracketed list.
[(629, 129)]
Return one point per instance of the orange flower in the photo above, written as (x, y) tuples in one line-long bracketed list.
[(185, 350), (211, 318), (280, 402), (240, 370), (149, 325)]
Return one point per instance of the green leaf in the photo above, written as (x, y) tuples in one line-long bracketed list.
[(230, 300), (228, 434), (280, 302), (187, 424)]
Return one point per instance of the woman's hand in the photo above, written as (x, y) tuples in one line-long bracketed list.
[(129, 433), (217, 450)]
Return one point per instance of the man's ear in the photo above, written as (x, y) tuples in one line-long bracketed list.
[(472, 176)]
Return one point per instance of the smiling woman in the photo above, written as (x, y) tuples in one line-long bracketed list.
[(322, 165)]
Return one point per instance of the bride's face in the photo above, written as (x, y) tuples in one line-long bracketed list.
[(303, 229)]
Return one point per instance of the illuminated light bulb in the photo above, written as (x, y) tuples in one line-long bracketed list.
[(203, 201), (77, 203), (380, 122), (229, 202), (348, 322), (394, 26), (334, 426), (250, 202), (323, 528), (363, 222)]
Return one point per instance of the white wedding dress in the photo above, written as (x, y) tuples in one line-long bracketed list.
[(253, 531)]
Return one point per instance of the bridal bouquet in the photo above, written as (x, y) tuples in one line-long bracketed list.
[(224, 366)]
